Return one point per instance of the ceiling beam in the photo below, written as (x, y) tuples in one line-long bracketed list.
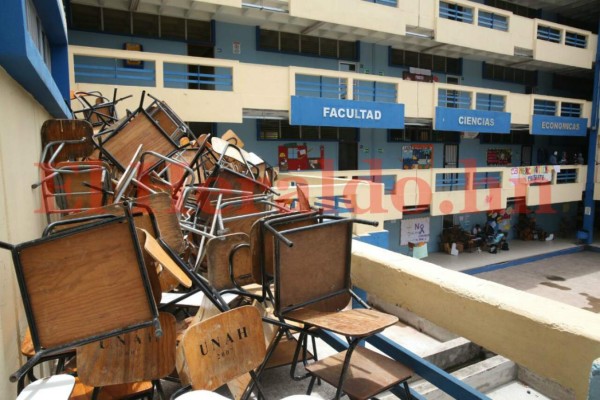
[(133, 5)]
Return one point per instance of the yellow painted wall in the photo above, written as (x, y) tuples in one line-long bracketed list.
[(19, 153), (355, 13), (559, 53), (555, 340)]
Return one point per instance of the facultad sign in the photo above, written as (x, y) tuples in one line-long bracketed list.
[(317, 111)]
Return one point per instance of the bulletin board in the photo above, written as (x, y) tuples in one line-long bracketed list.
[(499, 157), (417, 156), (414, 230)]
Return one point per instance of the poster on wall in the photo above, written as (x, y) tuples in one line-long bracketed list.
[(537, 174), (417, 156), (499, 157), (415, 230)]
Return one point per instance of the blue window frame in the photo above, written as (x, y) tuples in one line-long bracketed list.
[(391, 3), (575, 40), (493, 21), (455, 12), (570, 110), (548, 34), (490, 102), (35, 51), (454, 99), (544, 107)]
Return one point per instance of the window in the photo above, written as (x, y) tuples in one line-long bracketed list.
[(515, 137), (490, 102), (391, 3), (116, 21), (455, 12), (544, 107), (570, 110), (493, 21), (199, 31), (85, 18), (145, 24), (422, 134), (404, 58), (548, 34), (121, 22), (308, 45), (575, 40), (38, 35), (578, 87), (172, 28), (508, 74), (515, 8), (454, 99), (282, 130)]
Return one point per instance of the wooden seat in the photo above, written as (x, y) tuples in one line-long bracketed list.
[(223, 348), (369, 372), (313, 287), (127, 365), (83, 284)]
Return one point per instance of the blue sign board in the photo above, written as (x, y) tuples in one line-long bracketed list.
[(558, 126), (316, 111), (463, 120)]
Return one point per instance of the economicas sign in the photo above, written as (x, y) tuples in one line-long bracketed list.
[(558, 126), (316, 111)]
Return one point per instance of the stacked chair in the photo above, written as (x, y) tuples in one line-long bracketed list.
[(167, 256)]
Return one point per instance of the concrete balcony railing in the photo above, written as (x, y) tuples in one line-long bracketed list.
[(219, 90), (462, 23), (554, 340), (385, 194)]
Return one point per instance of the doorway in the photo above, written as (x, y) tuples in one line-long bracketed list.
[(450, 156), (196, 72), (526, 152), (346, 67), (347, 155)]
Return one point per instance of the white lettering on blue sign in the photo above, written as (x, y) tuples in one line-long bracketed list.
[(351, 113), (476, 121), (563, 126)]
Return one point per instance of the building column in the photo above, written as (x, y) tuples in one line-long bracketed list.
[(588, 202)]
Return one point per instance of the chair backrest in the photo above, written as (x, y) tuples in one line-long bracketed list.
[(131, 357), (138, 128), (84, 284), (68, 186), (223, 347), (315, 271), (59, 130), (262, 241), (226, 249)]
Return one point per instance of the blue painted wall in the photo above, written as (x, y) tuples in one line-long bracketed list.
[(20, 57)]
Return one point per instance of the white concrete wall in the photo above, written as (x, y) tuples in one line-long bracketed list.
[(19, 220), (555, 340)]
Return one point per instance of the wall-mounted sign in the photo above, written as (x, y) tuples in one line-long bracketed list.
[(462, 120), (414, 230), (558, 126), (533, 174), (417, 156), (316, 111), (499, 157)]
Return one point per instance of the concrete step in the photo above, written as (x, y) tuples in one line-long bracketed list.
[(484, 376)]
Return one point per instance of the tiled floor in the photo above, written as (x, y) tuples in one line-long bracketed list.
[(518, 249)]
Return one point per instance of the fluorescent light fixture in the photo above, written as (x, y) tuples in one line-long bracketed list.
[(264, 8)]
